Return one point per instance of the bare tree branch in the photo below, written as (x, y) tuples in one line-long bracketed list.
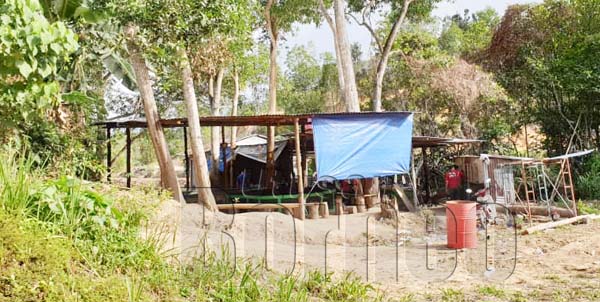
[(369, 28)]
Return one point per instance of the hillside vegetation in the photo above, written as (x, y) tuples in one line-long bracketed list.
[(64, 239)]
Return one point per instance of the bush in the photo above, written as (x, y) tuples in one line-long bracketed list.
[(588, 183), (68, 240)]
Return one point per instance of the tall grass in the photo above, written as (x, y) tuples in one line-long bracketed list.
[(62, 240), (17, 181)]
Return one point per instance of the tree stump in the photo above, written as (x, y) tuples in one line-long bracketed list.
[(324, 209), (313, 210), (360, 203), (339, 205), (351, 210)]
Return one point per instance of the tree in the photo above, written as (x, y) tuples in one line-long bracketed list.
[(343, 52), (186, 24), (399, 11), (300, 88), (469, 36), (340, 69), (279, 17), (546, 56), (152, 118)]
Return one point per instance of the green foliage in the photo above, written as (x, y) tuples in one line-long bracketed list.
[(300, 91), (418, 11), (468, 35), (287, 12), (547, 58), (66, 240), (418, 43), (31, 51), (17, 181), (588, 207), (491, 291), (452, 295), (588, 182)]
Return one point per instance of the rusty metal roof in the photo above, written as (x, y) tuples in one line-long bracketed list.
[(252, 120), (278, 120), (432, 141)]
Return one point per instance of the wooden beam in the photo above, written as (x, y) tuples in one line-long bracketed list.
[(299, 169), (108, 154), (553, 224), (128, 156)]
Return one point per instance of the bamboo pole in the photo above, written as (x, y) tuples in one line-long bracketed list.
[(299, 169)]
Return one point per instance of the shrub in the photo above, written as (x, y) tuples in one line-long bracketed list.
[(68, 240), (588, 183)]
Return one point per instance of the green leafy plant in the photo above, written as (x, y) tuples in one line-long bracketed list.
[(588, 183)]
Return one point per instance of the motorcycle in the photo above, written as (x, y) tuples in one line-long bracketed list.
[(486, 208)]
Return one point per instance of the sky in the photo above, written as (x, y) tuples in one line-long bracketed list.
[(322, 39)]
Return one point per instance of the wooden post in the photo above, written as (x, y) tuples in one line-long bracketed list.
[(299, 169), (186, 159), (167, 169), (223, 151), (414, 179), (128, 156), (304, 158), (108, 154), (313, 210), (426, 174), (324, 209), (270, 157), (359, 196), (339, 205)]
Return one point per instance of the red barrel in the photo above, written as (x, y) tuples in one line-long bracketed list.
[(462, 231)]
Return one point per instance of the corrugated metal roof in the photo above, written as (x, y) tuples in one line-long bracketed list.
[(252, 120)]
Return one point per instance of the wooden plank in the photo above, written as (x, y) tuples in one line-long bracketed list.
[(404, 198)]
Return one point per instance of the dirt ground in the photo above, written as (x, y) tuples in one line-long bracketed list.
[(560, 264)]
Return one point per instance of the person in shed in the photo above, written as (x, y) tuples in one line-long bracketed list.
[(453, 179)]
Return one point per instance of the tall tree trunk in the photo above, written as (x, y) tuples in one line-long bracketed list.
[(200, 167), (338, 57), (167, 169), (234, 105), (385, 54), (273, 37), (215, 134), (350, 91), (372, 187)]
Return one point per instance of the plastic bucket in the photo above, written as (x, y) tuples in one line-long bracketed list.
[(461, 224)]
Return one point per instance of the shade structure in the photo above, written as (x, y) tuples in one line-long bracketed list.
[(362, 146)]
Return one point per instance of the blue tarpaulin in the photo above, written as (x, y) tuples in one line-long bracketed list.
[(221, 161), (364, 146)]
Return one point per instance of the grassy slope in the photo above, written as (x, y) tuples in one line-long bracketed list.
[(65, 240)]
